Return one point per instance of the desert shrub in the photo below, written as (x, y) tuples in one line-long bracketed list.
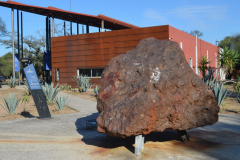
[(61, 102), (25, 98), (12, 83), (10, 103), (218, 91), (83, 83), (27, 88), (96, 90), (65, 87), (50, 92), (237, 86), (238, 98)]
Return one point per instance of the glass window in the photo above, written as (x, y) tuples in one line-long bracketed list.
[(84, 72), (57, 74), (94, 72), (191, 62), (97, 72)]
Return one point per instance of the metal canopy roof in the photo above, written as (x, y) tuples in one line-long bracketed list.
[(109, 23)]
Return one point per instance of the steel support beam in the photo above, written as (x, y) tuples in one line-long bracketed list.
[(71, 27), (87, 28), (18, 46), (52, 25), (13, 54), (64, 28), (22, 42), (102, 25), (77, 29), (47, 33)]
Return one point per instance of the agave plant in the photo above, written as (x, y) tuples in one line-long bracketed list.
[(238, 98), (10, 103), (96, 90), (218, 91), (61, 102), (27, 88), (12, 83), (50, 92), (83, 83), (66, 87)]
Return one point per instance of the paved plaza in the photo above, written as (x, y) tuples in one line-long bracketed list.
[(66, 137)]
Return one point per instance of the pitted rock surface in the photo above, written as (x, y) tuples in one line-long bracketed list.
[(150, 89)]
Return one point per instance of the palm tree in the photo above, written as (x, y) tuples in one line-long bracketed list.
[(203, 65), (228, 59)]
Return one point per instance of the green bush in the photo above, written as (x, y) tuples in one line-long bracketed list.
[(50, 92), (83, 83), (10, 103), (61, 102)]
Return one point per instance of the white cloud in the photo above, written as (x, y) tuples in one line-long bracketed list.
[(154, 15), (212, 12), (196, 15)]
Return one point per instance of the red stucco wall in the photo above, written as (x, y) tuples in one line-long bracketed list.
[(189, 44)]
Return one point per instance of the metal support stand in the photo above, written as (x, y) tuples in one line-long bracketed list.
[(139, 144), (183, 135)]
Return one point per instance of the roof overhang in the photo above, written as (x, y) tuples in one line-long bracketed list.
[(109, 23)]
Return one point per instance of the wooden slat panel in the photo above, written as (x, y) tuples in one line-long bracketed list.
[(122, 38), (96, 49)]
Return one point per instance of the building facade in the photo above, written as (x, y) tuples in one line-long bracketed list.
[(90, 53)]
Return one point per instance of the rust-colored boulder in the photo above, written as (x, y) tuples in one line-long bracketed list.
[(150, 89)]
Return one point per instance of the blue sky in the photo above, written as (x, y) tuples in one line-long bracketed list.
[(215, 18)]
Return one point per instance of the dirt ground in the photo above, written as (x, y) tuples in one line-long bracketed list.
[(28, 110), (231, 105)]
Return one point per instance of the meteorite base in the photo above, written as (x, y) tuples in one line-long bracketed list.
[(183, 136), (139, 144), (139, 141)]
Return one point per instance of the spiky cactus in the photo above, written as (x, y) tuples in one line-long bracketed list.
[(218, 91), (61, 102), (50, 92), (12, 83), (27, 88), (10, 103), (83, 83), (96, 90)]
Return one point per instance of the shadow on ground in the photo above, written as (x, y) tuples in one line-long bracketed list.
[(26, 114), (92, 137)]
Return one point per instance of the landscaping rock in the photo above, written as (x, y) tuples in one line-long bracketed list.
[(150, 89)]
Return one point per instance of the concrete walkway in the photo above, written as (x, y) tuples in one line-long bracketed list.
[(66, 137), (80, 104)]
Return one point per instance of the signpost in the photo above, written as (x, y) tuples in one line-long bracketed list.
[(35, 87)]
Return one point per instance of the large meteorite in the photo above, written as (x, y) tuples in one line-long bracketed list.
[(150, 89)]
